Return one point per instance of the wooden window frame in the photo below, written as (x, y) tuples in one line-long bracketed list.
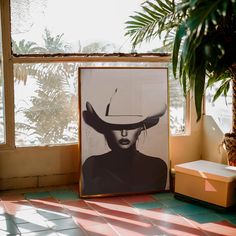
[(9, 59)]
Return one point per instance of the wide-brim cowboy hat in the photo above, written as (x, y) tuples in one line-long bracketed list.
[(120, 122), (126, 109)]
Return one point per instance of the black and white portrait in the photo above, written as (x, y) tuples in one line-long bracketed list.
[(124, 130)]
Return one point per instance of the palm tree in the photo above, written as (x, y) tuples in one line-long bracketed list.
[(24, 47), (51, 109), (155, 19), (204, 48), (97, 47)]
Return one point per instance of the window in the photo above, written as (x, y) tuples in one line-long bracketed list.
[(85, 29), (46, 104), (178, 106), (221, 109), (2, 115), (45, 84)]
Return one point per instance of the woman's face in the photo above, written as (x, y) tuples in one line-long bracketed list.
[(124, 139)]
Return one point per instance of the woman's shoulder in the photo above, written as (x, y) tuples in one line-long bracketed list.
[(152, 160), (98, 158)]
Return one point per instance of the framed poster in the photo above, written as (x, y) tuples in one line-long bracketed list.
[(124, 134)]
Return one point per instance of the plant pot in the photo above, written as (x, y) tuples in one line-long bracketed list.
[(229, 143)]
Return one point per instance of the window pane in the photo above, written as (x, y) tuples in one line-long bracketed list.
[(85, 26), (177, 106), (46, 104), (2, 113), (221, 109)]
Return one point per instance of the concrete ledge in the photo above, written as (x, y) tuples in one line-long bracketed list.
[(58, 179), (38, 181), (18, 183)]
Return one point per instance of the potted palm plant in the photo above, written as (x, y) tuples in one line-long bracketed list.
[(203, 47)]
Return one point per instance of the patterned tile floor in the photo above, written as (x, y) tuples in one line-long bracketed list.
[(60, 212)]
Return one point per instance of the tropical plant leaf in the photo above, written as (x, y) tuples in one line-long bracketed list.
[(165, 6), (204, 42), (149, 22), (180, 33), (223, 89), (199, 88), (223, 77)]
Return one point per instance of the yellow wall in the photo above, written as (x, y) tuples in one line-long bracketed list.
[(187, 147), (38, 166), (45, 166), (212, 138)]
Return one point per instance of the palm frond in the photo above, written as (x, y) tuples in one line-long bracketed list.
[(204, 45), (223, 89), (150, 22)]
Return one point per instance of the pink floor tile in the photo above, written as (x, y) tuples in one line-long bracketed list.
[(89, 221), (118, 218), (156, 213), (48, 201), (74, 205), (101, 230), (105, 199), (138, 198), (133, 225), (130, 224), (106, 216), (160, 216), (111, 215), (126, 230), (111, 204), (2, 208), (82, 212), (134, 222), (223, 228), (50, 205), (180, 231), (171, 223), (12, 207)]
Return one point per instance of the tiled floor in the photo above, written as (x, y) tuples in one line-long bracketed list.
[(59, 211)]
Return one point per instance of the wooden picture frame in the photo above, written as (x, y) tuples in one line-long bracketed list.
[(124, 130)]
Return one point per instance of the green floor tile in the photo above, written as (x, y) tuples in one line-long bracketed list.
[(172, 202), (148, 205), (5, 216), (64, 195), (71, 232), (205, 218), (228, 215), (191, 209), (62, 224), (233, 221), (41, 233), (37, 195), (8, 227), (3, 233), (33, 227), (52, 215), (160, 196)]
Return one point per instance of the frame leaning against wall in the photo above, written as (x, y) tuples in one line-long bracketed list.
[(124, 130)]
